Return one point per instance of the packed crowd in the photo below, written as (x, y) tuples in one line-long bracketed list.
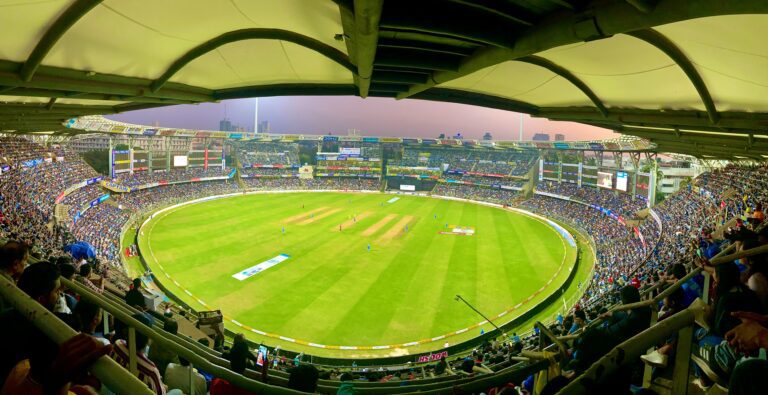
[(508, 163), (27, 191), (100, 227), (619, 250), (14, 151), (622, 203), (81, 197), (489, 181), (175, 175), (318, 183), (470, 192), (268, 172), (739, 187), (734, 327), (268, 153)]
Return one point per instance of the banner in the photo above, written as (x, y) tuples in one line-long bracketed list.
[(115, 187), (432, 357)]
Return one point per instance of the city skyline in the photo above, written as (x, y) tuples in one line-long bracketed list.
[(371, 116)]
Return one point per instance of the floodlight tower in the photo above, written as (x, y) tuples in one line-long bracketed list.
[(256, 115)]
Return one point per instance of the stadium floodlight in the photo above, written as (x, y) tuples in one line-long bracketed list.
[(459, 298)]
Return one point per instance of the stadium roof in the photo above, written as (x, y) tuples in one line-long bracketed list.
[(692, 76)]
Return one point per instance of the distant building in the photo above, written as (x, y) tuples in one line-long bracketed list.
[(487, 136), (541, 137), (559, 137), (263, 127), (225, 125)]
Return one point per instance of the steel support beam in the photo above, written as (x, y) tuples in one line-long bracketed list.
[(398, 77), (367, 16), (83, 82), (452, 20), (390, 57), (595, 22), (665, 45), (77, 10), (253, 34), (724, 140), (644, 5), (388, 87), (565, 73), (497, 8), (756, 123), (32, 108), (306, 89), (476, 99), (63, 94), (425, 46), (348, 24)]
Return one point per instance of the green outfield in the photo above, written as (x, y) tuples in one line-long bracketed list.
[(326, 286)]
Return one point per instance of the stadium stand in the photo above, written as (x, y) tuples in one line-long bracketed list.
[(642, 292)]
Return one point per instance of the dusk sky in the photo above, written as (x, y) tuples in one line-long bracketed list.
[(372, 116)]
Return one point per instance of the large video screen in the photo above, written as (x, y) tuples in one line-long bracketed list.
[(605, 180), (621, 180), (180, 161)]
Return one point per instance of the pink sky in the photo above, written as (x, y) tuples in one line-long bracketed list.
[(372, 116)]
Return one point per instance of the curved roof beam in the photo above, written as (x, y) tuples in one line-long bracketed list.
[(367, 16), (664, 44), (565, 73), (254, 34), (66, 20), (592, 23)]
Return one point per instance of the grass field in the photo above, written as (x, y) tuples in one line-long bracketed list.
[(333, 290)]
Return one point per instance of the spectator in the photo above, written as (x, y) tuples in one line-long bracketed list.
[(441, 366), (13, 259), (162, 356), (731, 296), (177, 376), (70, 297), (134, 297), (303, 378), (579, 321), (239, 354), (85, 279), (347, 386), (147, 370)]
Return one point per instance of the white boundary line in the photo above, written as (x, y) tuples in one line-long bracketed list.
[(550, 225)]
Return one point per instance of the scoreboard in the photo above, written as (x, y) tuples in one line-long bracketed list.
[(121, 161)]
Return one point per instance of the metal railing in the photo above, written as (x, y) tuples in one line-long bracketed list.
[(164, 340), (653, 304), (211, 361), (630, 350), (111, 374)]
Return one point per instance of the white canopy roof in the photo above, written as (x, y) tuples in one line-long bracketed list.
[(667, 71)]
